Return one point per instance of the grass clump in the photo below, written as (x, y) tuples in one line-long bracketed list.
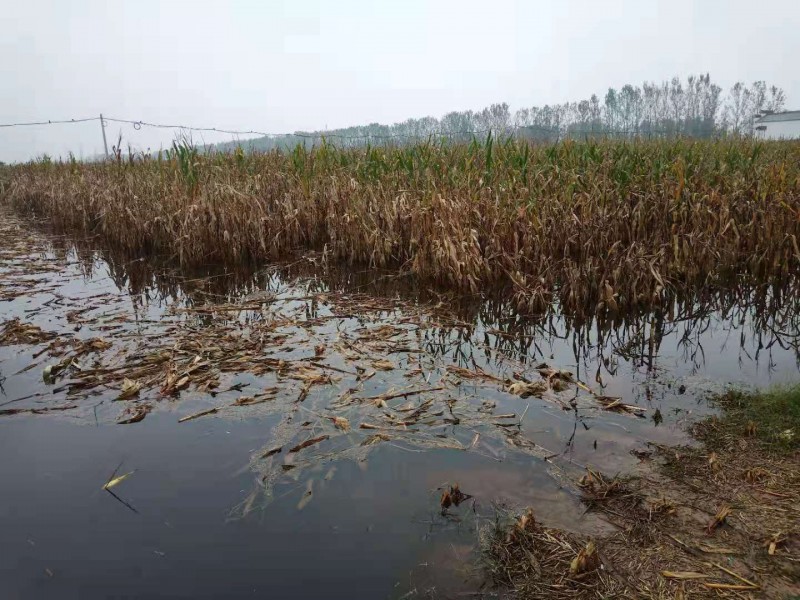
[(772, 417)]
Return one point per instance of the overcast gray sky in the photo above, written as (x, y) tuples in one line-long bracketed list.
[(309, 64)]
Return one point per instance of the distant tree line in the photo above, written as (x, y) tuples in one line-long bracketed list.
[(695, 107)]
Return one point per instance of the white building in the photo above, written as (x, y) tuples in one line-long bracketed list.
[(776, 126)]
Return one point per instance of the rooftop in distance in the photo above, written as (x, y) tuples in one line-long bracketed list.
[(787, 115)]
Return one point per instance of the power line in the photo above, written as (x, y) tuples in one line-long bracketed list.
[(315, 135), (49, 122), (140, 124), (566, 132)]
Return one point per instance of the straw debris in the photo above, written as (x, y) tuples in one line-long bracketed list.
[(685, 507)]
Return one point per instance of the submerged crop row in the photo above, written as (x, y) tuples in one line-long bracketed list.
[(608, 224)]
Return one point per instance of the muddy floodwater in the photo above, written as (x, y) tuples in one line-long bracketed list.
[(291, 432)]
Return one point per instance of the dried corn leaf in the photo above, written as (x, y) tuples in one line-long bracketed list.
[(774, 541), (202, 413), (341, 423), (383, 365), (683, 575), (729, 586), (615, 404), (308, 443), (445, 501), (470, 374), (136, 414), (452, 496), (174, 383), (375, 439), (117, 480), (130, 388), (250, 400), (525, 389), (549, 373), (474, 442), (16, 332), (527, 521), (586, 561), (722, 514), (308, 494)]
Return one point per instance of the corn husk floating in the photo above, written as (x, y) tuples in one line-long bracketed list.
[(452, 496), (130, 388), (473, 373), (309, 442), (16, 332), (375, 439), (134, 414), (203, 413), (248, 400), (614, 404), (525, 389), (341, 423), (549, 373), (382, 365), (115, 481), (49, 373), (307, 496)]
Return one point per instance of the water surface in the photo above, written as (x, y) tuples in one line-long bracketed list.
[(206, 513)]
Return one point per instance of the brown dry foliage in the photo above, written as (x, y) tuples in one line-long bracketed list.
[(693, 524), (602, 225)]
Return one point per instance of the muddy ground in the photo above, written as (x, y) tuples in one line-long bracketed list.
[(716, 519)]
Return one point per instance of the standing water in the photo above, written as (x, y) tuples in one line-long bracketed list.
[(306, 432)]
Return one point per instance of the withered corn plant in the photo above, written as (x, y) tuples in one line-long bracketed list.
[(594, 225)]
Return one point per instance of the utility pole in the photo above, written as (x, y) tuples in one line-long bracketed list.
[(103, 127)]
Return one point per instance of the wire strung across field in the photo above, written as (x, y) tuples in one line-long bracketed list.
[(509, 130)]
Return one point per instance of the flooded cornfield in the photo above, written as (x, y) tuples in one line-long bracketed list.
[(305, 430)]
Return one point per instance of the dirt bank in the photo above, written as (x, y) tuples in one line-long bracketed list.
[(719, 519)]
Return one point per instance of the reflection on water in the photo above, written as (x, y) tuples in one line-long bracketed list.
[(206, 514), (744, 333), (759, 320)]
